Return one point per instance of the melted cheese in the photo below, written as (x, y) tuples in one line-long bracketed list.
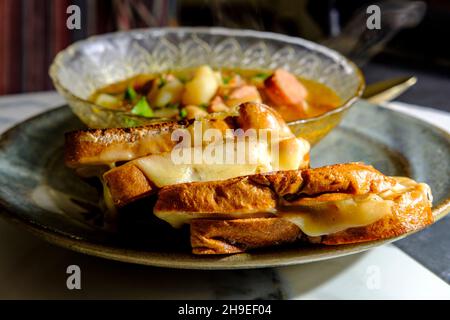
[(334, 216), (405, 184), (329, 217), (177, 219), (162, 170), (153, 144), (291, 154)]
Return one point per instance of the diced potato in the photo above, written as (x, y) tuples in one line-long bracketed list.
[(193, 112), (107, 101), (170, 93), (201, 88), (218, 76)]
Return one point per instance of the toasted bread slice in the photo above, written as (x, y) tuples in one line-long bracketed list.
[(266, 191), (411, 212), (141, 176), (93, 147), (146, 175), (107, 146), (210, 236), (104, 146), (127, 183)]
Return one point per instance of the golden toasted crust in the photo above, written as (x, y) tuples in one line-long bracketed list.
[(281, 182), (260, 190), (229, 196), (411, 212), (354, 178), (100, 146), (127, 183), (234, 236)]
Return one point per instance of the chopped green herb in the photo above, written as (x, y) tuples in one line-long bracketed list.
[(183, 113), (261, 76), (173, 105), (130, 94), (225, 97), (203, 106), (128, 122), (142, 108), (226, 80), (183, 79), (162, 82)]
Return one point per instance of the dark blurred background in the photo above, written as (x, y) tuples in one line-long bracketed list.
[(413, 39)]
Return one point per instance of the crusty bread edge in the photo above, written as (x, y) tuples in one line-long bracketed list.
[(210, 236)]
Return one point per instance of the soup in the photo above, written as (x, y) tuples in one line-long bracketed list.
[(193, 93)]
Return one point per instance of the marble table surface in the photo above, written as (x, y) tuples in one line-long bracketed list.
[(33, 269)]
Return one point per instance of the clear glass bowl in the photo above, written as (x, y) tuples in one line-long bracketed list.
[(82, 68)]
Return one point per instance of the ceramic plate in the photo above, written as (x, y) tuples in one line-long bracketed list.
[(38, 192)]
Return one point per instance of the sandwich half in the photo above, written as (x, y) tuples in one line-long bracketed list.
[(331, 205), (136, 162)]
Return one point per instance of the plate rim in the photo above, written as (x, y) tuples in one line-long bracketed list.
[(115, 253)]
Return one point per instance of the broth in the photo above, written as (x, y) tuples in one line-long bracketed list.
[(189, 93)]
